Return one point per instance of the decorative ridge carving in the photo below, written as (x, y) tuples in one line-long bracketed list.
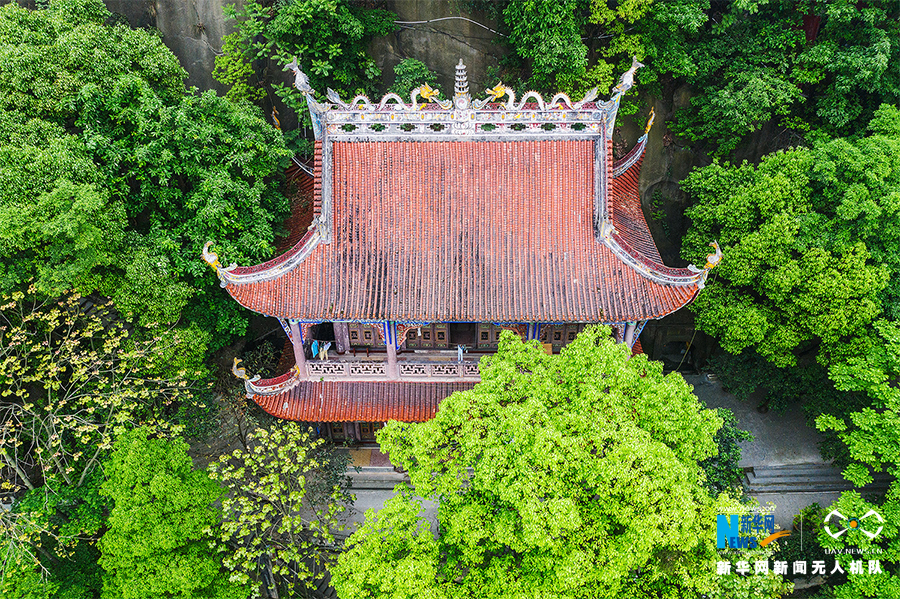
[(362, 119)]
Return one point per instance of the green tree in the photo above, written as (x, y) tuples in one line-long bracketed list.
[(286, 492), (72, 379), (872, 436), (158, 542), (330, 38), (820, 65), (575, 45), (556, 476), (722, 470), (809, 239), (113, 175), (410, 74)]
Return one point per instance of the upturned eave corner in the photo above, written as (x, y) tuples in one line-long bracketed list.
[(712, 260), (212, 259), (256, 386)]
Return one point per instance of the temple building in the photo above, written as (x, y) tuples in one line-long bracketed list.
[(435, 224)]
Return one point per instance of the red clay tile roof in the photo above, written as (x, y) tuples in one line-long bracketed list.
[(636, 348), (465, 231), (625, 207), (338, 401), (300, 193)]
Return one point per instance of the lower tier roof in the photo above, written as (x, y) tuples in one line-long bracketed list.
[(338, 401)]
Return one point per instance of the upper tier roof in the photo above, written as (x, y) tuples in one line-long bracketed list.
[(428, 215)]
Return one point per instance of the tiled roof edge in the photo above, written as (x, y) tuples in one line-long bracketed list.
[(241, 275), (658, 273)]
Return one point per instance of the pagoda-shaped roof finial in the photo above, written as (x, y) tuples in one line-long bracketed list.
[(462, 79), (461, 98)]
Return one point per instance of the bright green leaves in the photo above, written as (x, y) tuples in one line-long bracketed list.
[(158, 542), (113, 176), (410, 74), (573, 46), (329, 37), (810, 241), (557, 476), (548, 34), (286, 494), (872, 436)]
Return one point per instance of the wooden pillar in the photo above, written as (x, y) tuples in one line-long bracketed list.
[(341, 336), (629, 333), (393, 371), (299, 352)]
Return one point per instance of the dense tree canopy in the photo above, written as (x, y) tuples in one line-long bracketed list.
[(72, 380), (802, 67), (159, 542), (810, 238), (286, 493), (112, 175), (566, 476), (872, 435), (329, 38), (820, 65)]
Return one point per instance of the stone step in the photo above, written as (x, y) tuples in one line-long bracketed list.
[(375, 477), (800, 478)]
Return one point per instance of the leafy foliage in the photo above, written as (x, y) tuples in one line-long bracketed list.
[(872, 436), (410, 74), (805, 265), (158, 542), (575, 45), (72, 379), (286, 493), (722, 471), (807, 65), (565, 476), (112, 175), (329, 38)]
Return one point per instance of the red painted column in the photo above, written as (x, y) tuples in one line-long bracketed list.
[(299, 353)]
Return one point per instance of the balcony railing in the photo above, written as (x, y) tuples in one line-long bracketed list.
[(372, 370)]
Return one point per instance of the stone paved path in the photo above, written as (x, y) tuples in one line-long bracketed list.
[(779, 439)]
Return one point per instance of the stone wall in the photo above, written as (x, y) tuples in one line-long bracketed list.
[(440, 44), (192, 29)]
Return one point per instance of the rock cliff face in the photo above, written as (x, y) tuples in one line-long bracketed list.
[(192, 29), (442, 42)]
